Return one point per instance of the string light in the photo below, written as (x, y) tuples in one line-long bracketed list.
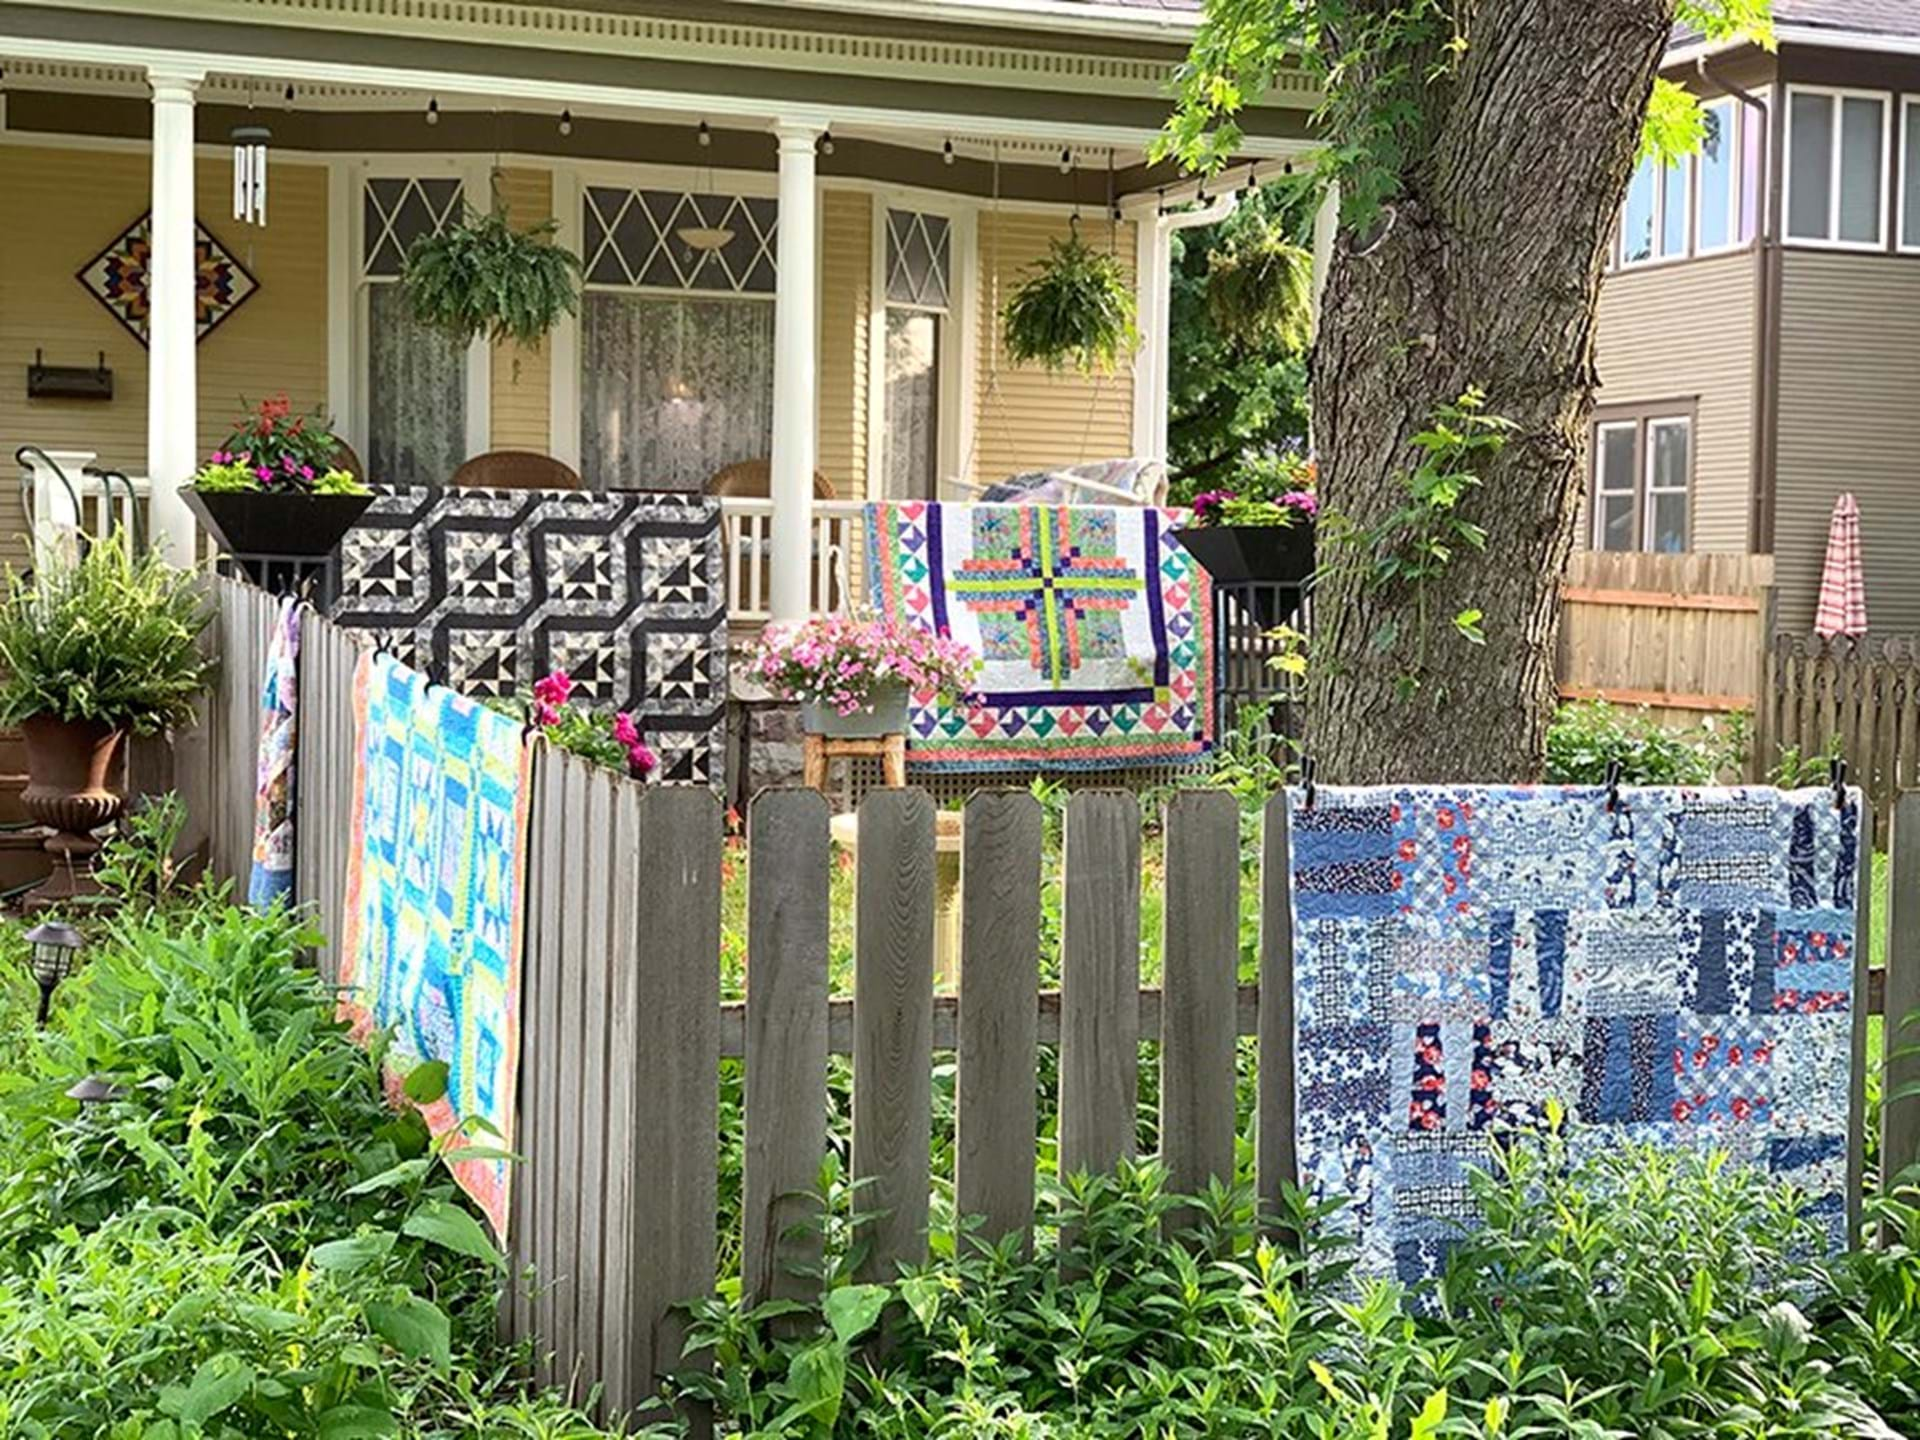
[(1066, 161), (826, 141), (566, 122), (946, 152), (288, 97), (1162, 193), (433, 112), (706, 135)]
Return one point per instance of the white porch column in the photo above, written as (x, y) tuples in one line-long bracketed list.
[(173, 391), (790, 594), (1153, 290)]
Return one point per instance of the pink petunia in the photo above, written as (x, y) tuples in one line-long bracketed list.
[(554, 689), (625, 731)]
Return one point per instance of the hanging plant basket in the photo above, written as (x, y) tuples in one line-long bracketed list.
[(1075, 308), (480, 276), (1260, 290)]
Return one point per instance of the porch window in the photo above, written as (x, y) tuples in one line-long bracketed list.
[(1836, 167), (919, 258), (416, 377), (1910, 174), (1642, 474), (676, 336)]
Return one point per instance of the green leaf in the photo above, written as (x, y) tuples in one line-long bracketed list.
[(426, 1082), (393, 1178), (852, 1309), (350, 1422), (1432, 1414), (922, 1294), (415, 1327), (216, 1385), (343, 1257), (452, 1228)]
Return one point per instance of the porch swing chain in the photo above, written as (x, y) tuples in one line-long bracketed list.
[(995, 401), (1113, 249)]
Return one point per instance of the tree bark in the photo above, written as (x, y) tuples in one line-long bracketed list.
[(1488, 274)]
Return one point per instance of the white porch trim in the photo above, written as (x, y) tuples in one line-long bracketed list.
[(795, 375), (173, 390), (1153, 282)]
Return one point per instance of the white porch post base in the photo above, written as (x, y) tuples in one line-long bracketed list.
[(173, 390), (793, 459)]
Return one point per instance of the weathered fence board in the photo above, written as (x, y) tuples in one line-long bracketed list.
[(1201, 961), (323, 781), (1862, 694), (1099, 981), (1900, 1117), (1857, 1094), (997, 1025), (893, 1027), (787, 910), (1275, 1159)]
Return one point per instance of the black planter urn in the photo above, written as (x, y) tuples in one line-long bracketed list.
[(276, 537), (1262, 567)]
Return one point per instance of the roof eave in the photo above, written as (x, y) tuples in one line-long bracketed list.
[(1816, 35), (1076, 16)]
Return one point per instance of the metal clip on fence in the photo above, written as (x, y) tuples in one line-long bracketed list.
[(1837, 777), (1616, 770), (1308, 767)]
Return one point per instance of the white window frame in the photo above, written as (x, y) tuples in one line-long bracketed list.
[(475, 176), (1686, 250), (957, 353), (1908, 198), (1735, 135), (1649, 490), (1597, 521), (1839, 95)]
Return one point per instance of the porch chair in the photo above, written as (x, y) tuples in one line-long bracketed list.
[(746, 556), (753, 479), (516, 470)]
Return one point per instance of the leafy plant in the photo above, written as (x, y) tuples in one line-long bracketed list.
[(275, 450), (1260, 289), (1588, 736), (481, 276), (107, 637), (1075, 307), (613, 742)]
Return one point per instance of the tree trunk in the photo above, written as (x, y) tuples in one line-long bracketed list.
[(1488, 274)]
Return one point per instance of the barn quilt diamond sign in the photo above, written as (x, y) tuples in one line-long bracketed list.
[(117, 277), (1095, 632), (1681, 971)]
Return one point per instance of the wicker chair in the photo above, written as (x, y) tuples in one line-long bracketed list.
[(754, 479), (515, 470), (345, 459)]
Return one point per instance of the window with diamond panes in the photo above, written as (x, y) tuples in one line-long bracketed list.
[(640, 239), (919, 263), (416, 375)]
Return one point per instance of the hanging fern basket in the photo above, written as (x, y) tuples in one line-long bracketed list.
[(480, 276), (1074, 309), (1260, 291)]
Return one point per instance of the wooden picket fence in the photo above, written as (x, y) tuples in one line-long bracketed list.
[(1863, 694), (624, 1032)]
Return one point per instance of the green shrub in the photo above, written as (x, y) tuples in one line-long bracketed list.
[(1588, 735)]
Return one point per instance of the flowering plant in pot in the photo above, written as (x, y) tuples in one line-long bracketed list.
[(275, 487), (1261, 531), (92, 649), (853, 677), (611, 741)]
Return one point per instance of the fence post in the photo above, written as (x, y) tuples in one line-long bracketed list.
[(893, 1027), (1857, 1087), (1200, 980), (994, 1138), (787, 909), (1100, 982), (1275, 1160), (1900, 1118)]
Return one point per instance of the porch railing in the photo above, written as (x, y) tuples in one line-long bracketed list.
[(63, 494), (839, 556)]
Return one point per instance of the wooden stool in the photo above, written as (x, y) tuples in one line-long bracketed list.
[(892, 750)]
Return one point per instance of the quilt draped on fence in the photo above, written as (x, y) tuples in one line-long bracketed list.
[(1681, 971), (1095, 629), (488, 590), (435, 878), (273, 811)]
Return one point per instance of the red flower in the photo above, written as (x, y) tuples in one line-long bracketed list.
[(1408, 849), (1682, 1112), (1444, 818), (1741, 1109)]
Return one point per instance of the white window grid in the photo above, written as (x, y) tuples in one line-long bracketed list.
[(1837, 96), (1649, 468), (1601, 490), (919, 260), (1909, 218), (631, 241), (1733, 121), (399, 210)]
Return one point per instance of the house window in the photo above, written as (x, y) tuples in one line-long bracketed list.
[(415, 376), (1642, 473), (1702, 204), (919, 264), (1836, 167), (1717, 225), (1910, 174), (676, 336)]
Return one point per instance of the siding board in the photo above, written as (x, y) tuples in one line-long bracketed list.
[(522, 374), (846, 297)]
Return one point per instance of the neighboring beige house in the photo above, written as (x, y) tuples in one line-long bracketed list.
[(1759, 335), (886, 169)]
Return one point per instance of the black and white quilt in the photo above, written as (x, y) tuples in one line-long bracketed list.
[(487, 590)]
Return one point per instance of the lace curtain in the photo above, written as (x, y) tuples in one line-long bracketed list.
[(912, 404), (416, 395), (672, 390)]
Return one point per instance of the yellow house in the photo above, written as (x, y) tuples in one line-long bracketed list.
[(798, 221)]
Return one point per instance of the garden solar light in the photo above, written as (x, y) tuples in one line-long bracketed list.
[(94, 1091), (54, 943)]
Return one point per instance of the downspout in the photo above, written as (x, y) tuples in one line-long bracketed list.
[(1157, 232), (1766, 357)]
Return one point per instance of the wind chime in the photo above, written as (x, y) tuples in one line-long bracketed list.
[(250, 169)]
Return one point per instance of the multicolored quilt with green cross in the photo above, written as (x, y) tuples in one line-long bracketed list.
[(1095, 628)]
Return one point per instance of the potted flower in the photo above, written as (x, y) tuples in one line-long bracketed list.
[(273, 489), (611, 742), (1262, 531), (853, 678), (91, 649), (1075, 307)]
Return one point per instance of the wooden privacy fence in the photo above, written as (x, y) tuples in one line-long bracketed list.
[(616, 1200), (1680, 634), (1863, 694)]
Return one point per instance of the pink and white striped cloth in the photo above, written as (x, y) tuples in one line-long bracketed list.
[(1843, 582)]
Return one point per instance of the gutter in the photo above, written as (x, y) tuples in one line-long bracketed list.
[(1695, 52), (1762, 454), (1121, 21)]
